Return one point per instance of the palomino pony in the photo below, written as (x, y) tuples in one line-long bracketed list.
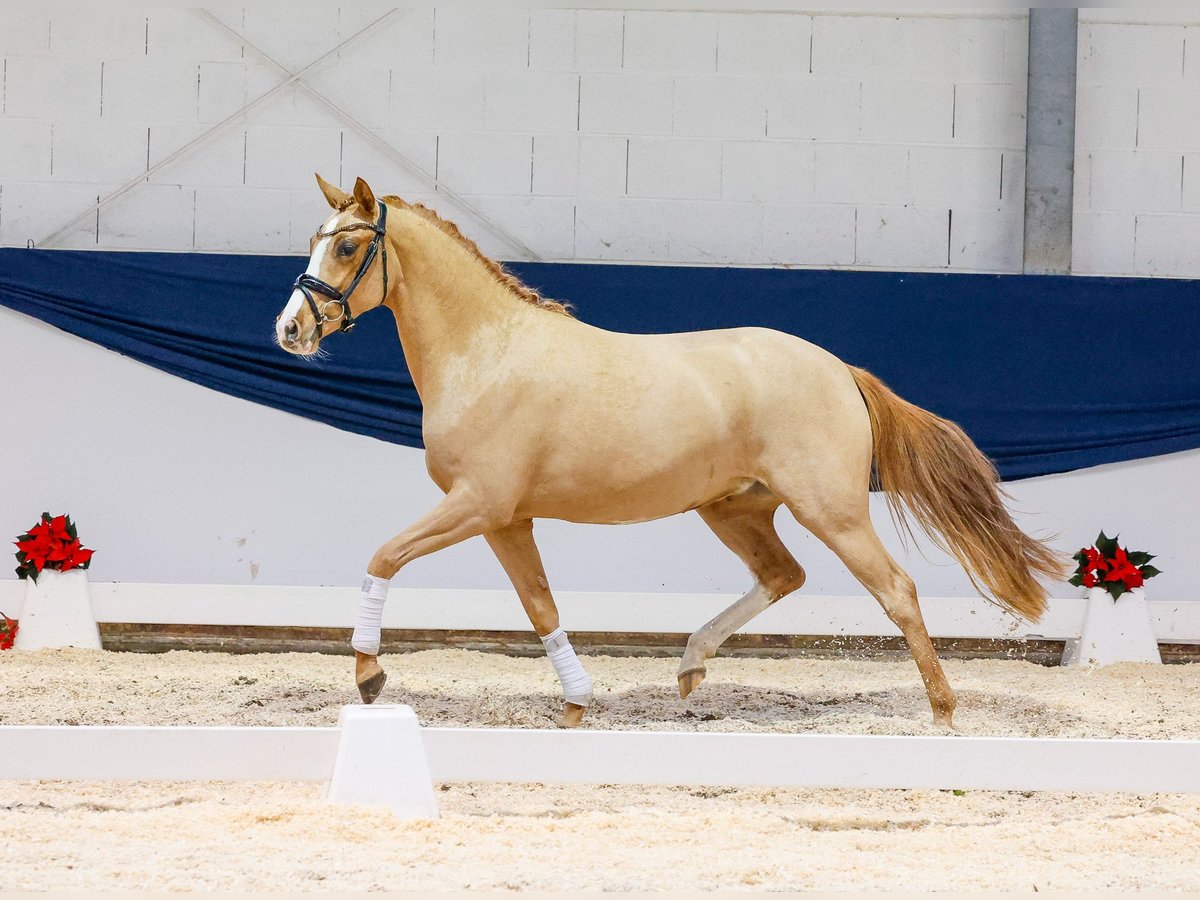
[(530, 413)]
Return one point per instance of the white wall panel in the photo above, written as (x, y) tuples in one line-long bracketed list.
[(625, 104), (768, 171), (531, 103), (673, 168), (887, 234), (233, 515), (768, 44), (717, 106), (679, 42), (1135, 131)]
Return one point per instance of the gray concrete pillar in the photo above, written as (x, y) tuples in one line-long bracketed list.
[(1050, 140)]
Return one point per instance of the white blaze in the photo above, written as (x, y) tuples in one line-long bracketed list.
[(296, 301)]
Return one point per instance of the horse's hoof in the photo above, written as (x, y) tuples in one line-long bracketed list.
[(572, 715), (371, 688), (689, 681)]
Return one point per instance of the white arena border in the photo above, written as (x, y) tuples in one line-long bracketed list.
[(506, 755), (498, 610)]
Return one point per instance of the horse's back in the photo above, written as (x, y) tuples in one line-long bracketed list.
[(647, 425)]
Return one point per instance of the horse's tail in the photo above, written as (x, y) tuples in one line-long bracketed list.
[(931, 471)]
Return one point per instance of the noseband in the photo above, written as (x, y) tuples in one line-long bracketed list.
[(307, 283)]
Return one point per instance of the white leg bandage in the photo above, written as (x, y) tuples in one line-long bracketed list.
[(576, 683), (370, 616)]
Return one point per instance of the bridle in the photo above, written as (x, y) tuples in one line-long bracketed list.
[(307, 283)]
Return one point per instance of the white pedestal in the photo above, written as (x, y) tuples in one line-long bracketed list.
[(381, 761), (57, 613), (1114, 631)]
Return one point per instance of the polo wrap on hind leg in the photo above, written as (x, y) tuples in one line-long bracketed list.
[(576, 683), (370, 616)]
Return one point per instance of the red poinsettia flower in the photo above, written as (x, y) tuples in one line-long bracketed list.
[(51, 543), (8, 632), (1110, 566), (1095, 559)]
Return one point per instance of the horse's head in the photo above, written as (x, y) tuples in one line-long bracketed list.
[(347, 271)]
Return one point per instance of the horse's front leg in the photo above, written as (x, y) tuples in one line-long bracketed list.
[(458, 517), (518, 554)]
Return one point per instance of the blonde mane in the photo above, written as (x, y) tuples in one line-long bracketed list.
[(502, 276)]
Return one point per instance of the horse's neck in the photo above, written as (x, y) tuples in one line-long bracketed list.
[(452, 315)]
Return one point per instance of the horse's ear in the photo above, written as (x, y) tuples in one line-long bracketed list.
[(337, 198), (364, 197)]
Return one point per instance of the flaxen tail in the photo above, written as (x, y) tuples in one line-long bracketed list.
[(932, 471)]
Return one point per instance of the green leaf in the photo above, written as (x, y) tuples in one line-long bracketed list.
[(1149, 571), (1107, 545), (1116, 588), (1140, 557), (1076, 580)]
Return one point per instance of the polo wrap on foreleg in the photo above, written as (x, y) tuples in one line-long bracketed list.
[(370, 616), (576, 683)]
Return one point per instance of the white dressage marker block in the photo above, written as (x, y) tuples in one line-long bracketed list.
[(381, 761), (57, 613), (1114, 631)]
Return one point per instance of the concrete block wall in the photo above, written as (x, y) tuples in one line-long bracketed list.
[(822, 139), (1137, 141)]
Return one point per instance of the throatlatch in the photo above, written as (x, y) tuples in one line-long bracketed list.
[(576, 683)]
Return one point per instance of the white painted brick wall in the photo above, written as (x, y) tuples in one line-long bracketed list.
[(957, 176), (823, 139), (990, 114), (491, 163), (151, 90), (715, 106), (532, 102), (1168, 117), (242, 220), (673, 168), (481, 38), (896, 237), (437, 101), (989, 239), (768, 171), (625, 104), (1165, 244), (104, 151), (676, 42), (1136, 133), (861, 173), (156, 217), (273, 160), (552, 39), (579, 166), (25, 149), (767, 44), (907, 112), (808, 235), (1103, 242), (52, 88)]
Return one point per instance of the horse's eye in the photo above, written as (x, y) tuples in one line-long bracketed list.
[(346, 248)]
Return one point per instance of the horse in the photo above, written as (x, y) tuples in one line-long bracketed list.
[(530, 413)]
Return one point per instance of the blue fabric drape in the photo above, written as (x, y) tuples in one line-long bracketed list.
[(1046, 374)]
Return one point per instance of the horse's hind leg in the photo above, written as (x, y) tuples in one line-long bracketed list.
[(745, 524), (856, 543), (518, 554)]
